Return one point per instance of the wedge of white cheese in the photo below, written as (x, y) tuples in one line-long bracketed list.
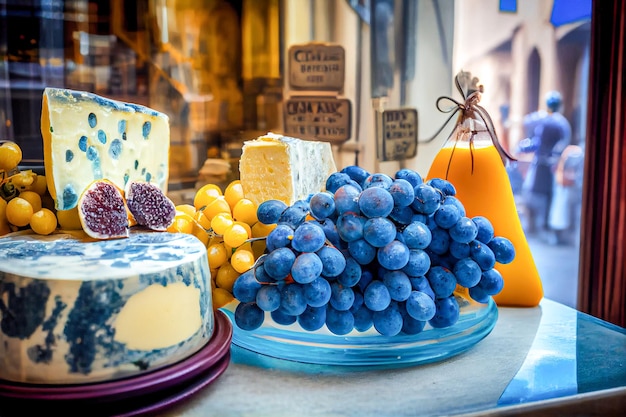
[(284, 168), (87, 137)]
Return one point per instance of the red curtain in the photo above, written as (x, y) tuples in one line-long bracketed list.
[(602, 280)]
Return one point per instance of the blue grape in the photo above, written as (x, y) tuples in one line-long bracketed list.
[(339, 322), (445, 186), (279, 237), (410, 326), (268, 298), (422, 284), (308, 237), (376, 296), (485, 229), (442, 281), (394, 255), (278, 263), (358, 301), (248, 316), (306, 268), (417, 235), (455, 202), (350, 226), (427, 199), (482, 254), (375, 202), (398, 284), (341, 298), (378, 180), (357, 173), (366, 278), (503, 249), (447, 312), (312, 318), (411, 176), (281, 317), (401, 215), (447, 216), (440, 241), (491, 282), (322, 205), (402, 192), (351, 273), (467, 272), (334, 262), (464, 230), (388, 322), (317, 292), (292, 299), (362, 318), (269, 211), (479, 295), (422, 218), (330, 230), (459, 250), (361, 251), (293, 215), (246, 287), (336, 180), (379, 231), (259, 271), (347, 199), (420, 306), (419, 263)]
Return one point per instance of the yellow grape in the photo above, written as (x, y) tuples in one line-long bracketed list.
[(43, 222), (258, 248), (245, 211), (23, 179), (242, 260), (218, 205), (69, 219), (181, 224), (226, 276), (186, 208), (3, 210), (19, 212), (39, 185), (235, 235), (205, 195), (262, 230), (10, 156), (221, 297), (221, 222), (218, 255), (233, 193), (4, 227), (202, 220), (201, 234), (33, 198)]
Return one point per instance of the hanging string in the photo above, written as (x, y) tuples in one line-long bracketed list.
[(469, 109)]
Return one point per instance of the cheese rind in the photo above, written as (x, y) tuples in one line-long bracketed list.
[(87, 137), (74, 310), (284, 168)]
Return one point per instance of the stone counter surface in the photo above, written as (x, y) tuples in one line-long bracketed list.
[(535, 358)]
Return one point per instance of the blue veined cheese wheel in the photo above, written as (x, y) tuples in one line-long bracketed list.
[(75, 310)]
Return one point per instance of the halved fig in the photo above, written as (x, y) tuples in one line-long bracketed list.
[(102, 211), (149, 206)]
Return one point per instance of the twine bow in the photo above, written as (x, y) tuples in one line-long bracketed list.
[(470, 109)]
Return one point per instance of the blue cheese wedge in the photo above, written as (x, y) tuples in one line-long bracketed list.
[(87, 137), (75, 310), (284, 168)]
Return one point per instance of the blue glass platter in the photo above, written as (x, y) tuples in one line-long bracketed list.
[(368, 349)]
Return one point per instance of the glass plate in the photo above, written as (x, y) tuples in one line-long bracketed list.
[(369, 348)]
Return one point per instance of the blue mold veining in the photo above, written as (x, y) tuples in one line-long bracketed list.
[(25, 309), (43, 354)]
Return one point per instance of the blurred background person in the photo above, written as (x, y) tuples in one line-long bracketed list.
[(549, 133)]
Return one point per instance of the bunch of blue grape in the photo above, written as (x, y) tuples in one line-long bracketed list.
[(371, 251)]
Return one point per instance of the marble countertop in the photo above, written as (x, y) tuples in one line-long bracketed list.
[(535, 359)]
